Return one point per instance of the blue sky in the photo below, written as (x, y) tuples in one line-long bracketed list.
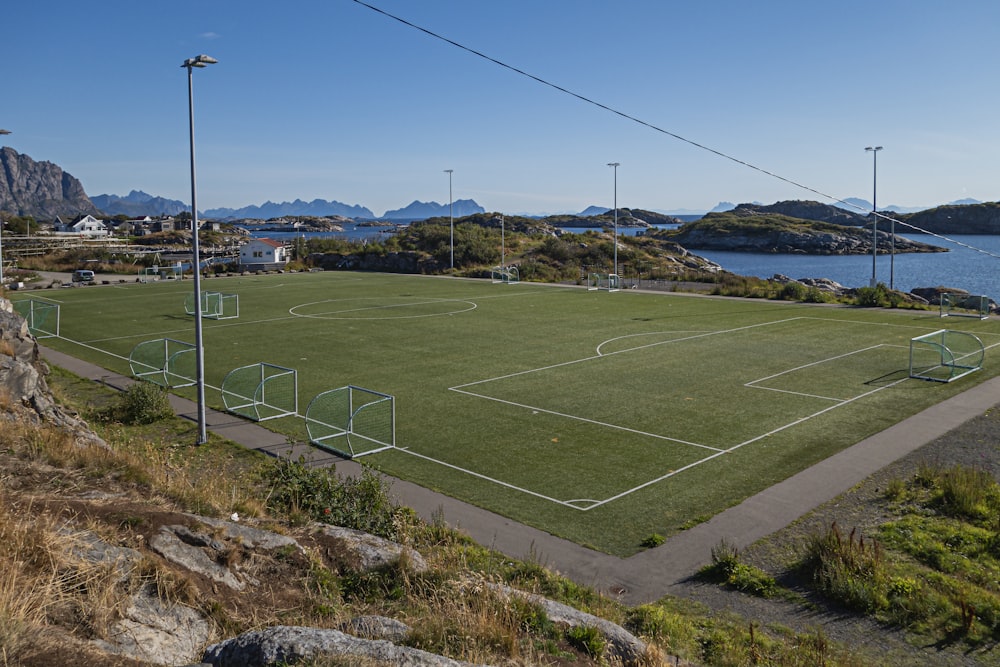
[(331, 100)]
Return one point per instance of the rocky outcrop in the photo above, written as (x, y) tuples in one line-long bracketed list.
[(805, 210), (40, 189), (22, 379), (781, 234), (956, 219), (288, 645)]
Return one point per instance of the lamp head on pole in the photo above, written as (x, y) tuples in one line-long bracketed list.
[(874, 150), (199, 61), (4, 131)]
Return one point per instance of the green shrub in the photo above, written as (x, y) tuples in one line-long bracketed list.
[(727, 569), (319, 494), (141, 403), (653, 541), (588, 639)]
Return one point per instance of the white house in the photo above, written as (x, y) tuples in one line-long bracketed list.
[(263, 255), (86, 225)]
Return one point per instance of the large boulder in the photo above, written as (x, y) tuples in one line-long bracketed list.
[(288, 645)]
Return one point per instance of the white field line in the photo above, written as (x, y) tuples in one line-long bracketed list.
[(332, 314), (716, 451), (753, 383), (585, 420), (506, 485)]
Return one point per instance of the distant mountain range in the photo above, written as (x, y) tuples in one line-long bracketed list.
[(419, 210), (137, 204)]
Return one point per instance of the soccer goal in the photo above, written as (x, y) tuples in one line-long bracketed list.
[(352, 421), (148, 274), (261, 391), (945, 355), (505, 274), (164, 361), (42, 317), (965, 305), (610, 282), (215, 305)]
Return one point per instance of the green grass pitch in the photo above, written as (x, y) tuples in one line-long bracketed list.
[(600, 417)]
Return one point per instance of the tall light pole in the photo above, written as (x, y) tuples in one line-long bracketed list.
[(2, 132), (874, 152), (451, 216), (615, 165), (190, 64)]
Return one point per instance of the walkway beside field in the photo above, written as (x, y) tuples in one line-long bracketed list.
[(650, 574)]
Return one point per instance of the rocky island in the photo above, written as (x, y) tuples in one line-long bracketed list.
[(750, 230)]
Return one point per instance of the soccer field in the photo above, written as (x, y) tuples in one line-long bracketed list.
[(600, 417)]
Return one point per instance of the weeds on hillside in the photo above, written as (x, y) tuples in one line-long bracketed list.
[(934, 571)]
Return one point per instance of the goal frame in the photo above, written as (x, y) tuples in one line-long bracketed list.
[(953, 354), (153, 273), (266, 379), (607, 282), (332, 417), (505, 274), (175, 362), (214, 305), (964, 305), (36, 312)]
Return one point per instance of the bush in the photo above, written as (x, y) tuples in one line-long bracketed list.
[(587, 639), (318, 494), (141, 403)]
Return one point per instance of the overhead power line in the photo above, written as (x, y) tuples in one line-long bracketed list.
[(674, 135)]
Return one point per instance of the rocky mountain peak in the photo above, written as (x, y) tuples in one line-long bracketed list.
[(40, 189)]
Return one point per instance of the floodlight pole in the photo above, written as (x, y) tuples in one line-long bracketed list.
[(451, 216), (1, 233), (874, 151), (615, 166), (190, 64), (503, 242)]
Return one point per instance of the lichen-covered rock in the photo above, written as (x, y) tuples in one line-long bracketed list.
[(289, 645), (357, 551)]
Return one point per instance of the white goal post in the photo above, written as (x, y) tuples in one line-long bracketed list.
[(945, 355), (964, 305), (352, 421), (42, 317), (609, 282), (164, 361), (148, 274), (261, 391), (214, 305), (505, 274)]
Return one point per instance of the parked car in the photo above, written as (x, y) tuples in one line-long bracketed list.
[(83, 276)]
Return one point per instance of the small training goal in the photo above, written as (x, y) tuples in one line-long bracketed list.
[(352, 421), (945, 355), (261, 391), (965, 305), (214, 305), (610, 282), (148, 274), (164, 361), (42, 317), (505, 274)]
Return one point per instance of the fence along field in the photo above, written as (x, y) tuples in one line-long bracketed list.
[(601, 417)]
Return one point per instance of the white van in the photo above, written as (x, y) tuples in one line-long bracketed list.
[(83, 276)]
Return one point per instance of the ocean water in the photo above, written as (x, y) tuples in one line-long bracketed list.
[(975, 270)]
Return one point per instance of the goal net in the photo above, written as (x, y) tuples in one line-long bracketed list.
[(945, 355), (261, 391), (965, 305), (148, 274), (505, 274), (164, 361), (609, 282), (214, 305), (42, 317), (352, 421)]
